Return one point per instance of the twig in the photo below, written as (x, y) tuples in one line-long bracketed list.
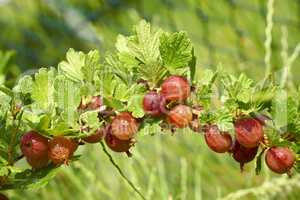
[(120, 171)]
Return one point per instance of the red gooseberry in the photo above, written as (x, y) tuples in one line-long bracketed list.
[(249, 132), (280, 159), (175, 88), (124, 126), (180, 116), (35, 149), (216, 140)]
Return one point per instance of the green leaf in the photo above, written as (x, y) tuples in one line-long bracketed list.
[(72, 68), (59, 127), (220, 117), (121, 69), (37, 121), (150, 126), (34, 179), (5, 57), (24, 85), (67, 98), (44, 122), (6, 90), (90, 119), (108, 83), (121, 92), (135, 106), (224, 120), (91, 65), (113, 103), (125, 57), (192, 66), (240, 89), (175, 50), (80, 66), (42, 88), (280, 109), (66, 93), (145, 45), (5, 104), (204, 87), (258, 162)]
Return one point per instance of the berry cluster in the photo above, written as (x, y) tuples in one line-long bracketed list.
[(169, 102), (39, 150), (249, 135)]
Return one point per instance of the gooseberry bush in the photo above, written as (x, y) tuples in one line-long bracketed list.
[(149, 85)]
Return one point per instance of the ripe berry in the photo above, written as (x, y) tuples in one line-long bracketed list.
[(35, 149), (61, 149), (249, 132), (95, 103), (217, 141), (280, 159), (96, 137), (242, 154), (124, 126), (180, 116), (175, 88), (3, 197), (116, 144), (262, 119), (153, 103)]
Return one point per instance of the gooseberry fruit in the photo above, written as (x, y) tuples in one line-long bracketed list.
[(95, 103), (116, 144), (249, 132), (124, 126), (280, 159), (175, 88), (153, 103), (180, 116), (35, 149), (243, 154), (96, 137), (61, 149), (216, 140)]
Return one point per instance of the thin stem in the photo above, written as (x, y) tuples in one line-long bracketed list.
[(268, 41), (120, 171), (288, 63), (284, 55), (11, 145), (286, 59)]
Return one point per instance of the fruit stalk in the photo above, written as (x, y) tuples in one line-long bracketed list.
[(120, 171)]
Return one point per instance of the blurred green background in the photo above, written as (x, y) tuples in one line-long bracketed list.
[(37, 33)]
